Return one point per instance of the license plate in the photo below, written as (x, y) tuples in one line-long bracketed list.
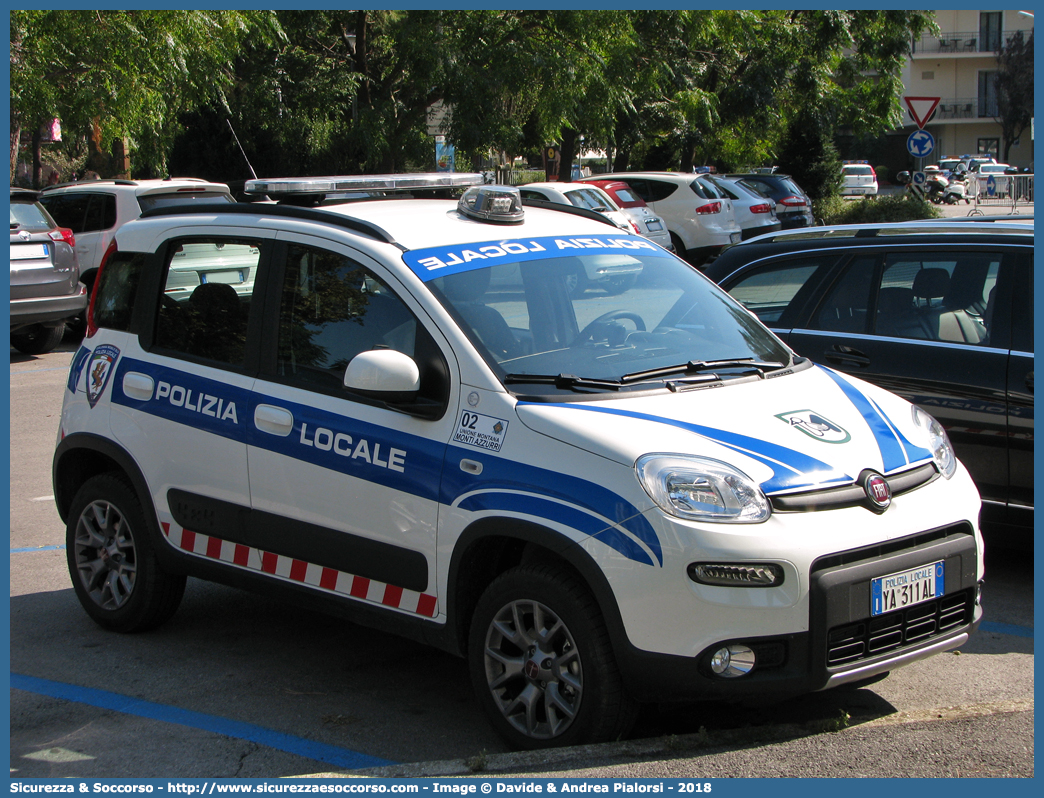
[(654, 226), (906, 588), (735, 237), (28, 251), (221, 277)]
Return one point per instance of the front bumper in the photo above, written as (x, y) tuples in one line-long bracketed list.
[(844, 644)]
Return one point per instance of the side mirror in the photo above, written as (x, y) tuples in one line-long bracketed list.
[(902, 178), (384, 374)]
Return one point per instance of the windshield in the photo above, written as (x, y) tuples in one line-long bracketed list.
[(593, 309), (29, 216)]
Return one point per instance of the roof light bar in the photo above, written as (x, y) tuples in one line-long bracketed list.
[(323, 185)]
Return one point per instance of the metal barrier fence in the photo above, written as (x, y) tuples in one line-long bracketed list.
[(1007, 191)]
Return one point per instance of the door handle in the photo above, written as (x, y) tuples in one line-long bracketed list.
[(138, 386), (274, 420), (846, 355)]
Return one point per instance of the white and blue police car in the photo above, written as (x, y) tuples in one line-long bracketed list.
[(398, 410)]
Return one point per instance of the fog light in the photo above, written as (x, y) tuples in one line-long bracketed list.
[(732, 661), (737, 574)]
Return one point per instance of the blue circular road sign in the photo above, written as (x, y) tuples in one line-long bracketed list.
[(920, 144)]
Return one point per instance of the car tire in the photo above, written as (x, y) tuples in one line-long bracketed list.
[(614, 286), (111, 562), (542, 664), (576, 283), (37, 340), (679, 247)]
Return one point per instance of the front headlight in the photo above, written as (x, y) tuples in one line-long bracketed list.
[(700, 489), (938, 441)]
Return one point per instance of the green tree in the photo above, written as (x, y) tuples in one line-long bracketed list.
[(1015, 89), (116, 74)]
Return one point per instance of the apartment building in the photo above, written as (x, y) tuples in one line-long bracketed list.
[(958, 65)]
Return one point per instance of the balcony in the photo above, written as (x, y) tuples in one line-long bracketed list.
[(961, 109), (961, 43)]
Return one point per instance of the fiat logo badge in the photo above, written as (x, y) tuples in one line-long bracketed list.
[(877, 491)]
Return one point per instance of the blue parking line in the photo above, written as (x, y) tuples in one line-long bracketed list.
[(330, 754), (38, 548), (1006, 629)]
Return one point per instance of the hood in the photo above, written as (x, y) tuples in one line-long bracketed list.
[(814, 428)]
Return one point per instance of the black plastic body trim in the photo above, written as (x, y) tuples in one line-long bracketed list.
[(290, 537)]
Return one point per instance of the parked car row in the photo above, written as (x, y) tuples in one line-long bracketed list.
[(60, 234)]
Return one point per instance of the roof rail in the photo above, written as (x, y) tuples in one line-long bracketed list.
[(563, 208), (287, 211)]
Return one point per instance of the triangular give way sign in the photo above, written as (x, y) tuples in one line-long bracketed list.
[(921, 108)]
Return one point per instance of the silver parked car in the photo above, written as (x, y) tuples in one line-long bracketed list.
[(45, 286), (755, 212)]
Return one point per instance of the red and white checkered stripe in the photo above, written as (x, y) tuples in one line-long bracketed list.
[(329, 580)]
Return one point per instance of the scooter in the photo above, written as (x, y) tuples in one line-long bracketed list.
[(935, 187), (956, 190)]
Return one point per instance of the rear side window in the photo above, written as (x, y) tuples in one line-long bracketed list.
[(652, 190), (586, 198), (82, 211), (626, 198), (939, 296), (207, 298), (116, 290)]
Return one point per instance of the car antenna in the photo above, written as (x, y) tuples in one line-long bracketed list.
[(251, 168)]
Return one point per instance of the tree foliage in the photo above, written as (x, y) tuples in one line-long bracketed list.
[(1015, 88), (131, 73), (334, 91)]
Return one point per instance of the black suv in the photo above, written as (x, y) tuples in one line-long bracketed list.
[(940, 312), (793, 207)]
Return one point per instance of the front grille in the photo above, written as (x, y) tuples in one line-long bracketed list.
[(852, 495), (870, 637)]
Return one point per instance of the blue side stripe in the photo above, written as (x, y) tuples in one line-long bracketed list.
[(791, 469), (231, 416), (896, 451), (914, 453), (321, 752), (76, 367), (504, 475), (560, 513), (188, 396)]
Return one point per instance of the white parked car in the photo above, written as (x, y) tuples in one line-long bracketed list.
[(755, 213), (860, 179), (637, 210), (580, 195), (698, 215), (594, 500), (95, 209), (1001, 176)]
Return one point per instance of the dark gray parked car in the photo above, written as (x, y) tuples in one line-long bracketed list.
[(939, 312), (45, 286)]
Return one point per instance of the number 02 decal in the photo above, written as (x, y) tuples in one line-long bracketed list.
[(482, 432)]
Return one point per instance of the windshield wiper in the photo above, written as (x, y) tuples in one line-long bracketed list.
[(564, 381), (697, 366)]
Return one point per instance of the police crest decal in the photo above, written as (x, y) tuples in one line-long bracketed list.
[(99, 370), (815, 425)]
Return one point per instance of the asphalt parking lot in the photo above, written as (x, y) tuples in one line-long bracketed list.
[(238, 686)]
